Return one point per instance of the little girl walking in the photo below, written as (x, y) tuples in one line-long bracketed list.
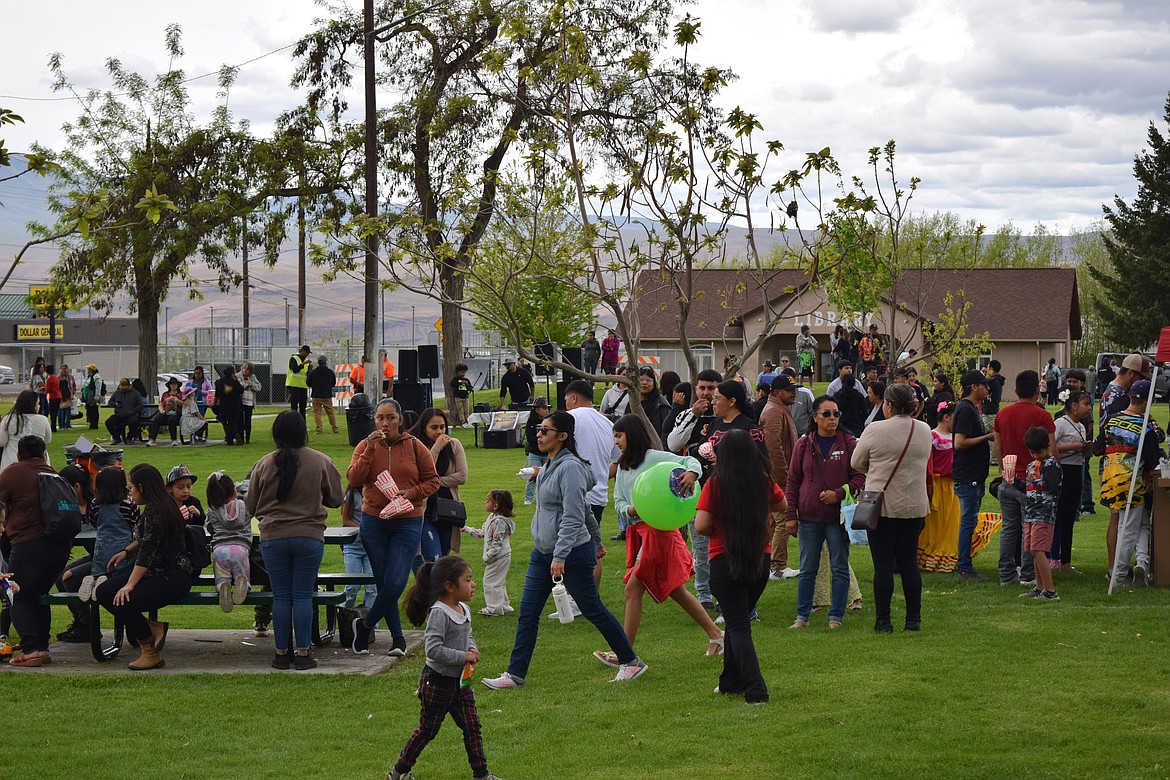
[(231, 540), (438, 596), (497, 551)]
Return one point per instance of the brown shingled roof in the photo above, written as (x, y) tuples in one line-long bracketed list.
[(718, 301), (1011, 304)]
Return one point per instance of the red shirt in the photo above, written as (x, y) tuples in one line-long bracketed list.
[(52, 388), (707, 503), (1012, 422)]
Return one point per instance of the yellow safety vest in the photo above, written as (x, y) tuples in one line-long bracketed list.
[(300, 377)]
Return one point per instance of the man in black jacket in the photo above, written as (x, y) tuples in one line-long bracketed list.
[(321, 382), (516, 381)]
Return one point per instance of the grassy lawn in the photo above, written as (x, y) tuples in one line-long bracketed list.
[(993, 686)]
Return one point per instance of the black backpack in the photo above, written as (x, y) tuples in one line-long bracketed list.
[(197, 549), (60, 514)]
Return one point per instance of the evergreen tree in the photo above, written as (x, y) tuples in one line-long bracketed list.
[(1134, 300)]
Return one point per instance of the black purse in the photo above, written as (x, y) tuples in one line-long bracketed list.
[(450, 513)]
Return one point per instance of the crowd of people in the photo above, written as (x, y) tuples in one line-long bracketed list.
[(787, 464)]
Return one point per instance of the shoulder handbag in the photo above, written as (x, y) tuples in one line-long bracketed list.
[(450, 513), (869, 502)]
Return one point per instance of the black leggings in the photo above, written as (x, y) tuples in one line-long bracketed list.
[(152, 592), (895, 541)]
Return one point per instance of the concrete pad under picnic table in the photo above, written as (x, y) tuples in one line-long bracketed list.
[(223, 651)]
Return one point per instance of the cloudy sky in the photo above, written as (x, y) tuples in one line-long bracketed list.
[(1007, 110)]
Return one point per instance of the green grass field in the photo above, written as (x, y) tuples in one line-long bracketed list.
[(992, 687)]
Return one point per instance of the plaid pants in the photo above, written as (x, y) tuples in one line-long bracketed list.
[(441, 695)]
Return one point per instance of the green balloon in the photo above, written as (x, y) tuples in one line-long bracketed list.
[(657, 499)]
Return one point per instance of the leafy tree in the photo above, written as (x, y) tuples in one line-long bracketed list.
[(475, 78), (523, 260), (1134, 297), (174, 192)]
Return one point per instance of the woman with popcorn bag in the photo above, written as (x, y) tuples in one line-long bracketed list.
[(396, 474)]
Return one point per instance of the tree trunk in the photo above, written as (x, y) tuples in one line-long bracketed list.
[(148, 306), (452, 324)]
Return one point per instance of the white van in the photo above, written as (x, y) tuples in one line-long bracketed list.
[(6, 375)]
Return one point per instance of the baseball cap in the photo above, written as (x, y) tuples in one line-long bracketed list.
[(180, 472), (1140, 389), (972, 378), (1137, 362), (91, 366), (305, 348), (783, 382), (769, 364), (509, 362)]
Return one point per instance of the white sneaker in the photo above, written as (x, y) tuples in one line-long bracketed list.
[(174, 442), (788, 573), (240, 589), (225, 596), (502, 682), (528, 502), (150, 443), (89, 586), (630, 671), (719, 620), (776, 574)]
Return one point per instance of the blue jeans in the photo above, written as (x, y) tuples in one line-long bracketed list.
[(391, 545), (970, 495), (530, 487), (357, 562), (813, 536), (699, 546), (579, 581), (63, 419), (292, 565)]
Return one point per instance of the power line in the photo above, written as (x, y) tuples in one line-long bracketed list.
[(124, 94)]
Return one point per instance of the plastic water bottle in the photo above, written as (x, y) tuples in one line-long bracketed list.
[(6, 588), (560, 596)]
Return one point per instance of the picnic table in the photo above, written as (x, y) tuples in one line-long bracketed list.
[(330, 597)]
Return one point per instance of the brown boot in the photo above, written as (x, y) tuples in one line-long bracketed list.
[(158, 632), (150, 659)]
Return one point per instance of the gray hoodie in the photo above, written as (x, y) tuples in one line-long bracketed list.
[(563, 517)]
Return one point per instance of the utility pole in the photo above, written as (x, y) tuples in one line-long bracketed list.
[(286, 330), (247, 285), (372, 35)]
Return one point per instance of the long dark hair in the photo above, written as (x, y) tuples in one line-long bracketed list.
[(638, 440), (26, 403), (743, 501), (566, 423), (685, 389), (419, 431), (290, 434), (430, 584), (149, 482), (75, 476), (670, 380)]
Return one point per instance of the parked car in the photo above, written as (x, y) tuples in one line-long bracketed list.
[(1099, 377), (6, 375)]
